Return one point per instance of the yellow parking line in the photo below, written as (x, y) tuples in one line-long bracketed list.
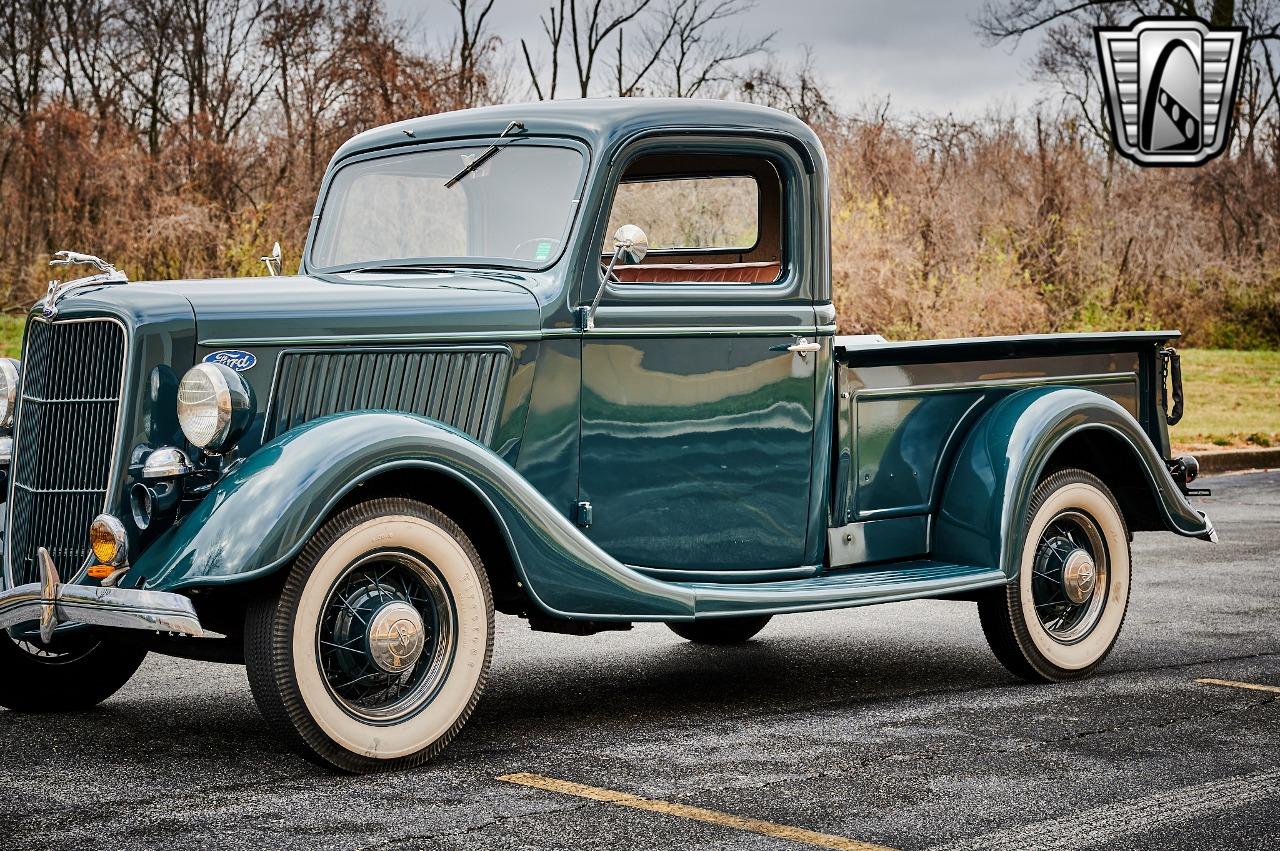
[(635, 802), (1208, 681)]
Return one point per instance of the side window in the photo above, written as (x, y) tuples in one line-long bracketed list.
[(691, 212), (710, 219)]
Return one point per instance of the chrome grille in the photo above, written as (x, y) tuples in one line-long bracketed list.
[(462, 388), (64, 445)]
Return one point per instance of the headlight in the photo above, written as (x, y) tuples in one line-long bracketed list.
[(8, 390), (214, 406)]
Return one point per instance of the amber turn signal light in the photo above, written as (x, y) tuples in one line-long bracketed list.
[(109, 543), (100, 571)]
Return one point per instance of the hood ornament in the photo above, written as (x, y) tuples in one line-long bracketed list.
[(107, 274)]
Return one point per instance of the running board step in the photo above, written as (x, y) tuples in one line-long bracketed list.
[(851, 587)]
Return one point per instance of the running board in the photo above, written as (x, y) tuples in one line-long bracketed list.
[(841, 589)]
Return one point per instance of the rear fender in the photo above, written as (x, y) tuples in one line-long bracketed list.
[(260, 515), (982, 517)]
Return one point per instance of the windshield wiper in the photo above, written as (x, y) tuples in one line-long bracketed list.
[(485, 155)]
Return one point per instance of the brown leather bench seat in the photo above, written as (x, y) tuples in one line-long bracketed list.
[(699, 273)]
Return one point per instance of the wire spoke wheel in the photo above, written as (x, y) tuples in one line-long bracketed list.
[(386, 636), (1070, 576), (1059, 617), (373, 653)]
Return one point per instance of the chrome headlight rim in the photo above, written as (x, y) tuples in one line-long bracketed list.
[(10, 372), (115, 529), (230, 402)]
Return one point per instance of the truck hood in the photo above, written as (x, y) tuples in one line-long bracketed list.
[(298, 308)]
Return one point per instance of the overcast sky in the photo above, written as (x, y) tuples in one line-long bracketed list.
[(923, 55)]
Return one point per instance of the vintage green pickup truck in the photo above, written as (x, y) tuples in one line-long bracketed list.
[(572, 361)]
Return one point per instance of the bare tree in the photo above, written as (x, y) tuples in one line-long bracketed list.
[(590, 28), (25, 30), (221, 66), (655, 35), (796, 90), (85, 34), (553, 28), (472, 46), (680, 49), (591, 24), (699, 52)]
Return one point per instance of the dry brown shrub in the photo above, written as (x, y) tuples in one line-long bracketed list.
[(943, 228)]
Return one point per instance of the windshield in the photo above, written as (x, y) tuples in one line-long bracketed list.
[(514, 210)]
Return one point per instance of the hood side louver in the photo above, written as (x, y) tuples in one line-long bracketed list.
[(461, 387)]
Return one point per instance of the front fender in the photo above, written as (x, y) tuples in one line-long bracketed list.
[(982, 516), (258, 517)]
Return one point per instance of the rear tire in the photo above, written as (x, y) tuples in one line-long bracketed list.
[(376, 651), (720, 630), (1061, 616), (74, 673)]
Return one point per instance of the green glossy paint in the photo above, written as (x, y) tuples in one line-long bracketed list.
[(726, 474)]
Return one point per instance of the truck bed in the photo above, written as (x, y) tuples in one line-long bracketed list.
[(903, 409)]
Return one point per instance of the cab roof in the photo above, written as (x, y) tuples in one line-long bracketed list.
[(599, 122)]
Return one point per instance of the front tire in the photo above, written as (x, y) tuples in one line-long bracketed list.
[(75, 672), (720, 630), (1062, 615), (376, 650)]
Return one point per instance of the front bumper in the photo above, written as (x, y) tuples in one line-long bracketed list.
[(52, 602)]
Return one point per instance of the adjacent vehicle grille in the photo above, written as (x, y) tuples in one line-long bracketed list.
[(64, 446), (462, 388)]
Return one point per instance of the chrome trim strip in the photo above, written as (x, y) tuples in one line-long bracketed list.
[(684, 331), (375, 339), (512, 336), (30, 489), (113, 478), (1032, 381), (773, 574)]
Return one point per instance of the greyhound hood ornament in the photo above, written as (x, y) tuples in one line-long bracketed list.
[(107, 274)]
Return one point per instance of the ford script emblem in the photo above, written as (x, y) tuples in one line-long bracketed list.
[(237, 360)]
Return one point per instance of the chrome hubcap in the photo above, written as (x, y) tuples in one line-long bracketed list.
[(1079, 576), (396, 637)]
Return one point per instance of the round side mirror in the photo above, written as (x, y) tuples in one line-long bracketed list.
[(631, 243)]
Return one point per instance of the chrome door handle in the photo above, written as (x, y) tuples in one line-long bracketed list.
[(802, 347)]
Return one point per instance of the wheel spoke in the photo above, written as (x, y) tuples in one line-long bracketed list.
[(356, 604), (355, 614), (358, 679)]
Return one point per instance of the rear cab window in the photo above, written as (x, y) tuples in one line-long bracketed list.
[(710, 219)]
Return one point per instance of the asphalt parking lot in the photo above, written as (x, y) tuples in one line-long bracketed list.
[(889, 725)]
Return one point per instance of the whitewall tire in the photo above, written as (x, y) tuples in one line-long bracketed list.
[(376, 650), (1062, 615)]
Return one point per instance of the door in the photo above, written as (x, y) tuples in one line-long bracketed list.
[(697, 417)]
